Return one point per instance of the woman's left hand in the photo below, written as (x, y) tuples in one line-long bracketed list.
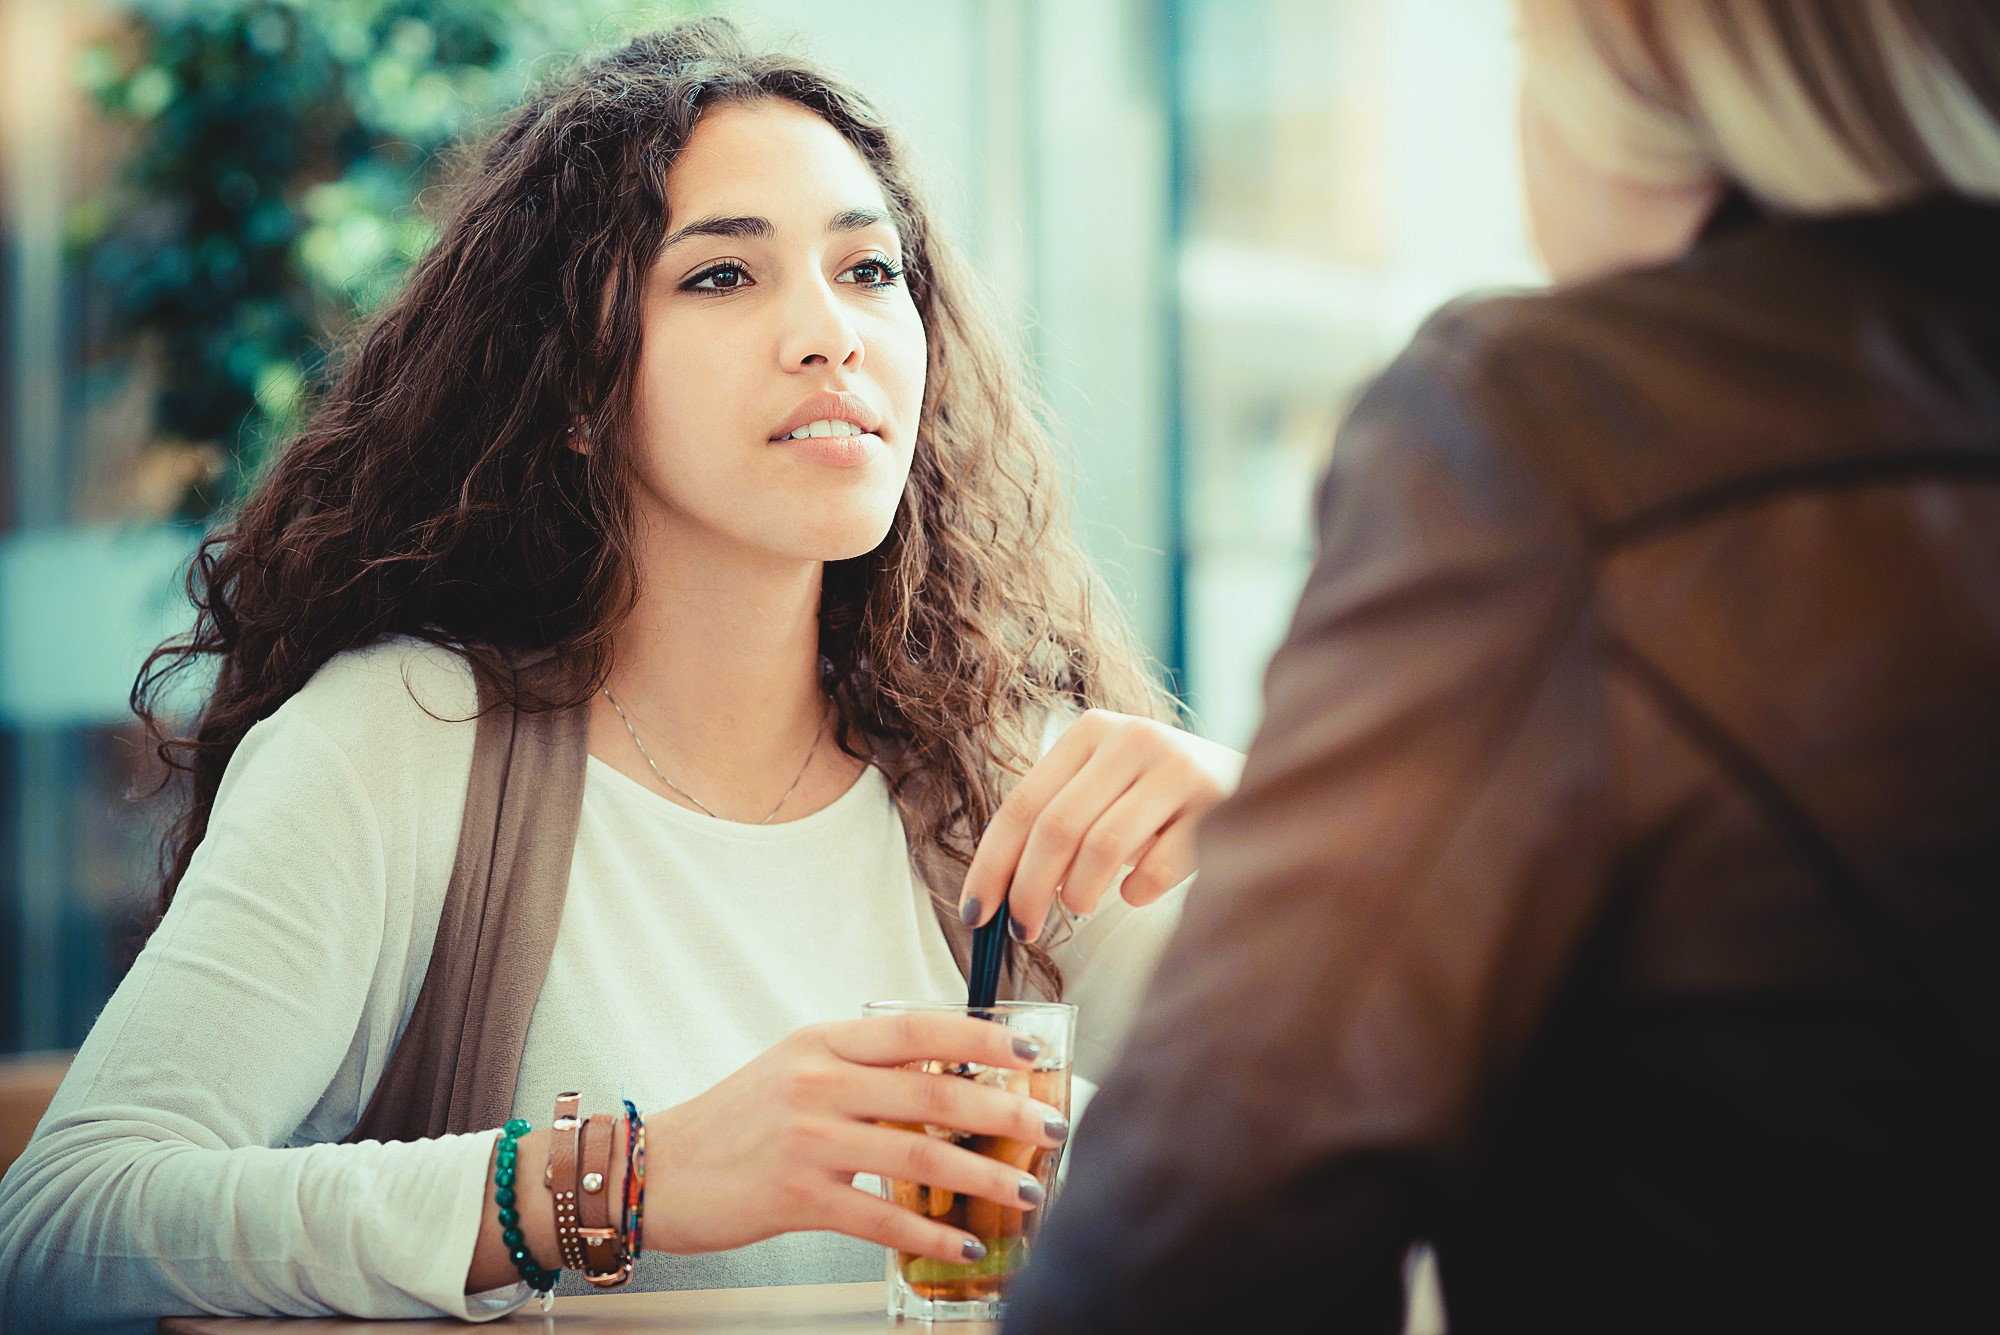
[(1115, 791)]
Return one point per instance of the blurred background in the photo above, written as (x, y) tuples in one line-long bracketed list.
[(1211, 220)]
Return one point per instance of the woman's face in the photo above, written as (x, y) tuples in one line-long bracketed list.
[(781, 369)]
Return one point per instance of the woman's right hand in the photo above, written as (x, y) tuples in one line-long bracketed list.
[(774, 1148)]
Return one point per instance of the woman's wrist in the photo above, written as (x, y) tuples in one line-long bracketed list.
[(666, 1217), (492, 1268)]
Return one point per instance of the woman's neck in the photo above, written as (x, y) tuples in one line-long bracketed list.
[(717, 669)]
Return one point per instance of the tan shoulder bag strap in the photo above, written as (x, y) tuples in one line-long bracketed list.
[(454, 1068)]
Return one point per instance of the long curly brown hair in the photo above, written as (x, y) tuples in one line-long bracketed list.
[(431, 493)]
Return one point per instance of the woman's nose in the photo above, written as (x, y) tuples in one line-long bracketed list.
[(817, 331)]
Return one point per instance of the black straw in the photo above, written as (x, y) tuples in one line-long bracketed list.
[(989, 948)]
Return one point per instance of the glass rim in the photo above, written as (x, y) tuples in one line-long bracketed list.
[(959, 1007)]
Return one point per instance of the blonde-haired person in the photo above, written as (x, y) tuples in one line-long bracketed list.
[(1610, 896)]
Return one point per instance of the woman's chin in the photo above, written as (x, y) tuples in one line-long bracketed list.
[(856, 546), (824, 541)]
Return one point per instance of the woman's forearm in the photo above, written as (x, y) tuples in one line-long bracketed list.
[(108, 1219)]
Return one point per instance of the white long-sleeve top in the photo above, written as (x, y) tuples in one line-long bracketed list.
[(190, 1162)]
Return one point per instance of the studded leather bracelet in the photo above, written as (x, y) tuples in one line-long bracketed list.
[(565, 1131)]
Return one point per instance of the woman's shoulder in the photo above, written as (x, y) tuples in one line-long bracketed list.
[(400, 705), (359, 778), (1716, 296), (1472, 437), (1567, 406), (1508, 351), (393, 680), (1627, 388)]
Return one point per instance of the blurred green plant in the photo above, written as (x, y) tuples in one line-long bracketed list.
[(270, 199)]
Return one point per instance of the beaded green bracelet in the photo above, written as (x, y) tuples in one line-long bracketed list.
[(538, 1279)]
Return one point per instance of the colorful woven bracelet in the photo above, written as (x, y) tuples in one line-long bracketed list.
[(635, 1178), (538, 1279)]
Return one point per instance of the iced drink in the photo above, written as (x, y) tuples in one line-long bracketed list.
[(924, 1288)]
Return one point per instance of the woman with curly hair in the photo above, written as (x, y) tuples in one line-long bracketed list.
[(686, 443)]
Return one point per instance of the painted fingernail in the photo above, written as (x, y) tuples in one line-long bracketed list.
[(1031, 1192), (1015, 930), (972, 1249), (1026, 1048), (1056, 1127), (968, 913)]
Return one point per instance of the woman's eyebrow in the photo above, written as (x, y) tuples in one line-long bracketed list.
[(854, 220), (719, 226), (848, 220)]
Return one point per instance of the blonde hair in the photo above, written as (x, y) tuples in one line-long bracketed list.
[(1813, 106)]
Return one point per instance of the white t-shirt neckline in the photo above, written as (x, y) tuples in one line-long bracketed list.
[(620, 786)]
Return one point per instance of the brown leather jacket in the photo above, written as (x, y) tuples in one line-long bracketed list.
[(1613, 895)]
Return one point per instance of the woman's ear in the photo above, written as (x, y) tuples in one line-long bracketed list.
[(577, 434)]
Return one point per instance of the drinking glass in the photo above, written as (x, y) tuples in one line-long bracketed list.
[(924, 1289)]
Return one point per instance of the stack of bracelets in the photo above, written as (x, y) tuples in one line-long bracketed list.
[(591, 1238)]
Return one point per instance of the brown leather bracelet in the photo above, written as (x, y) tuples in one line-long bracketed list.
[(565, 1132), (607, 1262)]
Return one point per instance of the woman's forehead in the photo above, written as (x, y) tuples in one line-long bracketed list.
[(770, 158)]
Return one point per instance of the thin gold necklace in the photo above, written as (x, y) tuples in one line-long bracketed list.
[(701, 805)]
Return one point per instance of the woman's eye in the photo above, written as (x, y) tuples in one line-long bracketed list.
[(720, 278), (874, 273)]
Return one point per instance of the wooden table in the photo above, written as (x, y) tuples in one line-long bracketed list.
[(805, 1309), (26, 1086)]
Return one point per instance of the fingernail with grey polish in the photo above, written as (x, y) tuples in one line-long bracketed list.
[(1027, 1049), (968, 912), (1056, 1127), (1015, 930), (973, 1249), (1031, 1191)]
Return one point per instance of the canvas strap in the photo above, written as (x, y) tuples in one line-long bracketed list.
[(455, 1065)]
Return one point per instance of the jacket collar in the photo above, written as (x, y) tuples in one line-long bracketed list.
[(1941, 242)]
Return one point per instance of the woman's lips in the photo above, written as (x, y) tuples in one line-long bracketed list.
[(835, 451)]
